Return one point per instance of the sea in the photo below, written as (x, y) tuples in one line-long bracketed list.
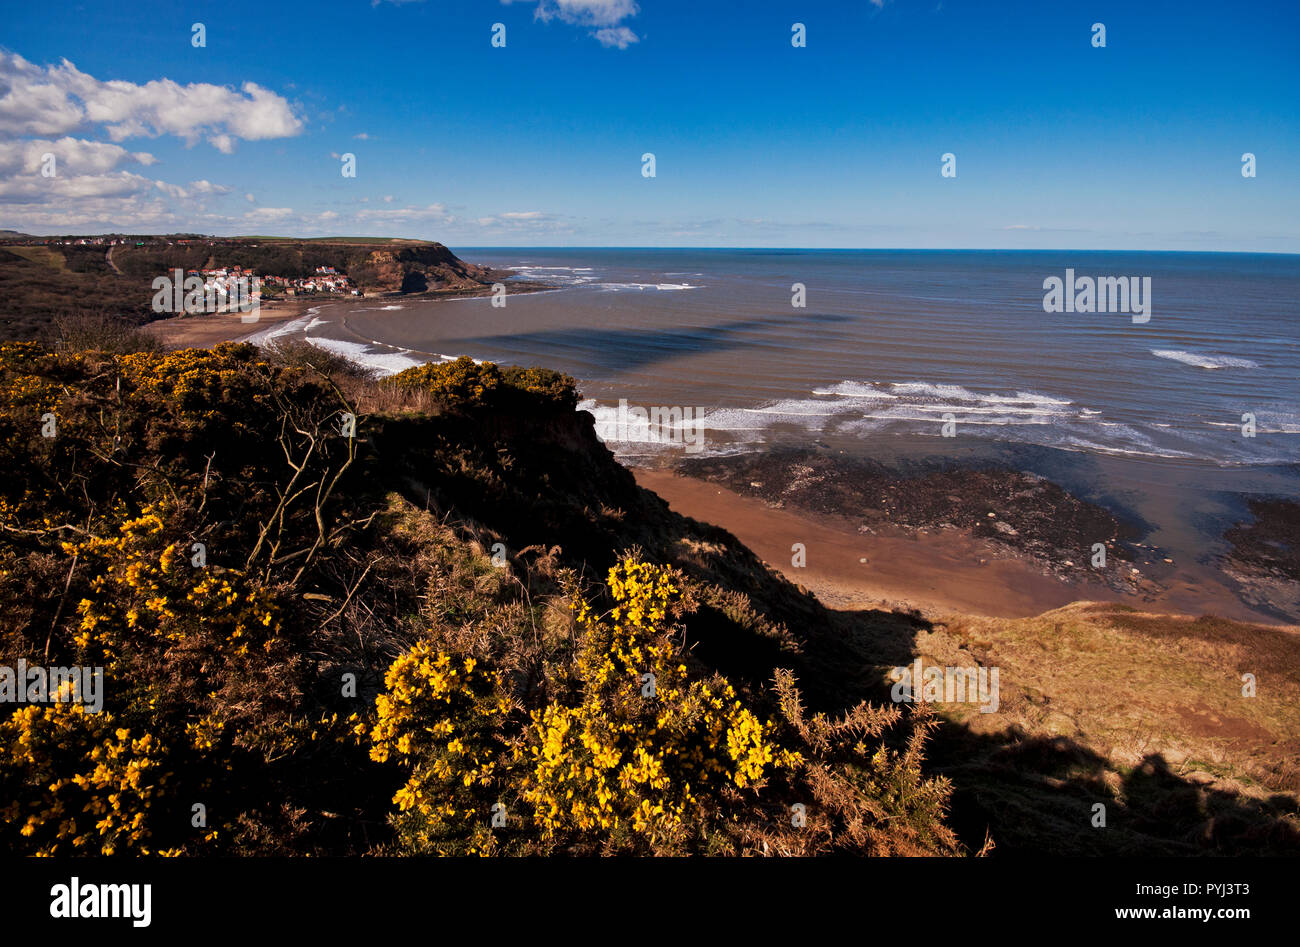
[(1172, 415)]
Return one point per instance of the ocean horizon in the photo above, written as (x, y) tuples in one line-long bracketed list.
[(923, 343)]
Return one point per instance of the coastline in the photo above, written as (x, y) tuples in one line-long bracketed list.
[(208, 329), (205, 330), (872, 537), (937, 574), (952, 570), (963, 553)]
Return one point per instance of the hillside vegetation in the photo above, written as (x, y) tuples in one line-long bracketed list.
[(432, 614), (41, 285), (436, 635)]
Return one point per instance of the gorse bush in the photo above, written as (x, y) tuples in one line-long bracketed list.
[(114, 470), (139, 596), (646, 750), (312, 643), (462, 382), (637, 754), (439, 717), (633, 751), (465, 383), (557, 388), (78, 783)]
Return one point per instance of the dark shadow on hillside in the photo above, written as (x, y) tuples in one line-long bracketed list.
[(1032, 794), (546, 481), (414, 282), (1036, 795)]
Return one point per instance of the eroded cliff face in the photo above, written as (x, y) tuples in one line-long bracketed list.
[(416, 270)]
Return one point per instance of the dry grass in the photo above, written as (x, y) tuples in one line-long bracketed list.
[(42, 255), (1142, 712)]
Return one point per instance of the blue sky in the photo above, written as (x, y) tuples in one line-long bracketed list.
[(1136, 145)]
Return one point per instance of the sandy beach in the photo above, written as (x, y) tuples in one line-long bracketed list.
[(938, 571), (208, 329)]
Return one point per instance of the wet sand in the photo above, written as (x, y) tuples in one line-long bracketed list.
[(208, 329), (948, 570)]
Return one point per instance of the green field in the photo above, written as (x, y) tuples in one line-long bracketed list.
[(347, 241)]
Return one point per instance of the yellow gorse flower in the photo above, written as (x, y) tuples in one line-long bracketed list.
[(102, 805), (611, 760)]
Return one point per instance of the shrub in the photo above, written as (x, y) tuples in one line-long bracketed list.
[(76, 783), (555, 387), (610, 761), (509, 689), (647, 749), (466, 383), (139, 594), (462, 382), (304, 356), (438, 717), (100, 333)]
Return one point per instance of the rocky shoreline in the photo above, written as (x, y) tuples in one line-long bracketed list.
[(1264, 555), (1027, 515)]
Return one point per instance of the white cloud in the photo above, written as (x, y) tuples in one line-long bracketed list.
[(207, 187), (34, 190), (269, 213), (59, 99), (89, 187), (91, 214), (171, 190), (606, 16), (587, 12), (619, 36), (439, 215), (57, 191), (433, 213), (71, 156)]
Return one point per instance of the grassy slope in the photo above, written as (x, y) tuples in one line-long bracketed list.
[(43, 256), (38, 286), (1141, 712), (345, 241)]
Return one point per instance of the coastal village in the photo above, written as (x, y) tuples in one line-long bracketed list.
[(326, 279), (222, 280)]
